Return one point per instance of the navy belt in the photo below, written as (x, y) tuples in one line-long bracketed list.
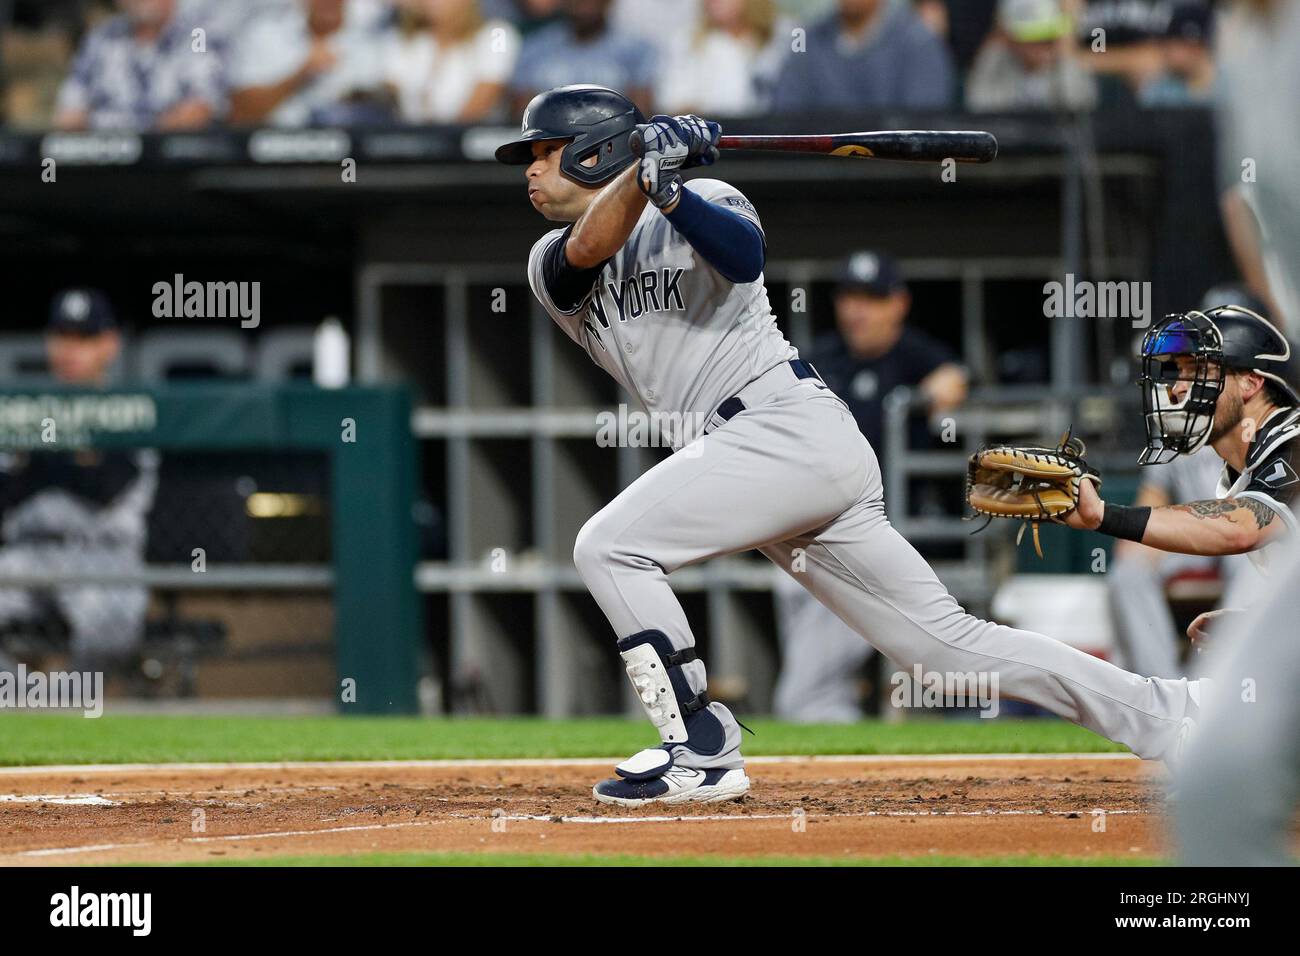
[(734, 406)]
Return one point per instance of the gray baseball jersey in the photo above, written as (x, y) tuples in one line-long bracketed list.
[(664, 323), (785, 470)]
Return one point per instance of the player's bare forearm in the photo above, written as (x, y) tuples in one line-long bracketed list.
[(603, 229), (1222, 526)]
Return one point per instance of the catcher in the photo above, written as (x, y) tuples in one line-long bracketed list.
[(1208, 378)]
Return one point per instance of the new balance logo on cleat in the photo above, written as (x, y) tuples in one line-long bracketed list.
[(675, 785)]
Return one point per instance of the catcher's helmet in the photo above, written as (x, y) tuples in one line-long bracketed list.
[(596, 119), (1227, 338)]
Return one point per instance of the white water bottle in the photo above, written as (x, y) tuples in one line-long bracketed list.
[(331, 353)]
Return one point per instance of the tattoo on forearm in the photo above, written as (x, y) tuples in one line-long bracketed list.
[(1264, 515), (1207, 509), (1261, 512)]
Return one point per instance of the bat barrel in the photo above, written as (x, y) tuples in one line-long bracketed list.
[(915, 146)]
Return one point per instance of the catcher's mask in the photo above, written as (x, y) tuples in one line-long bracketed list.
[(1179, 426)]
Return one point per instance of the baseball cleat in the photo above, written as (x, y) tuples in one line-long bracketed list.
[(675, 785)]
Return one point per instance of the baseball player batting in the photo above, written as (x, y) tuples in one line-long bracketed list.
[(660, 281)]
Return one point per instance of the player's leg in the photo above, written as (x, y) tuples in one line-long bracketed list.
[(866, 572), (763, 476), (821, 660)]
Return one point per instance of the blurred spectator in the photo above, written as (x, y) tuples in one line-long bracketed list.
[(81, 512), (872, 352), (729, 64), (645, 22), (967, 25), (527, 15), (449, 65), (934, 14), (142, 71), (583, 48), (1121, 45), (37, 40), (1189, 76), (868, 53), (317, 62), (1028, 63), (1259, 139)]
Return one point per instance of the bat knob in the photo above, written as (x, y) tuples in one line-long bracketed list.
[(636, 143)]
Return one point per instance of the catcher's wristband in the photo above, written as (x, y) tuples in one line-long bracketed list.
[(1122, 521)]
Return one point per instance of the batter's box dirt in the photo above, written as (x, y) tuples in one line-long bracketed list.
[(971, 806)]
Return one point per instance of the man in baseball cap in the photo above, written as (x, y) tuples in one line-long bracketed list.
[(80, 510), (81, 337)]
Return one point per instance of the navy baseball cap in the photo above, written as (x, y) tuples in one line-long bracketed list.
[(81, 312), (872, 272), (1192, 22)]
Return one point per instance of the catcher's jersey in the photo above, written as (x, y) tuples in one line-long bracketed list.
[(1271, 475), (664, 323)]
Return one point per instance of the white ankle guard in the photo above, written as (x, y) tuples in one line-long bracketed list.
[(655, 670), (654, 688)]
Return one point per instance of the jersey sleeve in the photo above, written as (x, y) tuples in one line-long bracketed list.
[(549, 247), (1275, 482), (549, 271)]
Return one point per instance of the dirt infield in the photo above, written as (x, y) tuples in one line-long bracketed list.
[(872, 806)]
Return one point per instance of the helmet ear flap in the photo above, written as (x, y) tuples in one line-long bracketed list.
[(607, 140)]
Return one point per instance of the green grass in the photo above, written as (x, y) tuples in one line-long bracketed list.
[(589, 859), (34, 739)]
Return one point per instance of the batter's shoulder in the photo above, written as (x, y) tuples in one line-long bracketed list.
[(545, 240)]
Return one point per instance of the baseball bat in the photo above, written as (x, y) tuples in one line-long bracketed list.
[(904, 145)]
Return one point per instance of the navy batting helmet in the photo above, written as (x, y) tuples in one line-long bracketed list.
[(596, 119)]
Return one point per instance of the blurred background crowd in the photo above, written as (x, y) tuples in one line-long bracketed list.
[(190, 64)]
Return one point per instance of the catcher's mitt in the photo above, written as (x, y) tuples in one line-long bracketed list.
[(1034, 484)]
